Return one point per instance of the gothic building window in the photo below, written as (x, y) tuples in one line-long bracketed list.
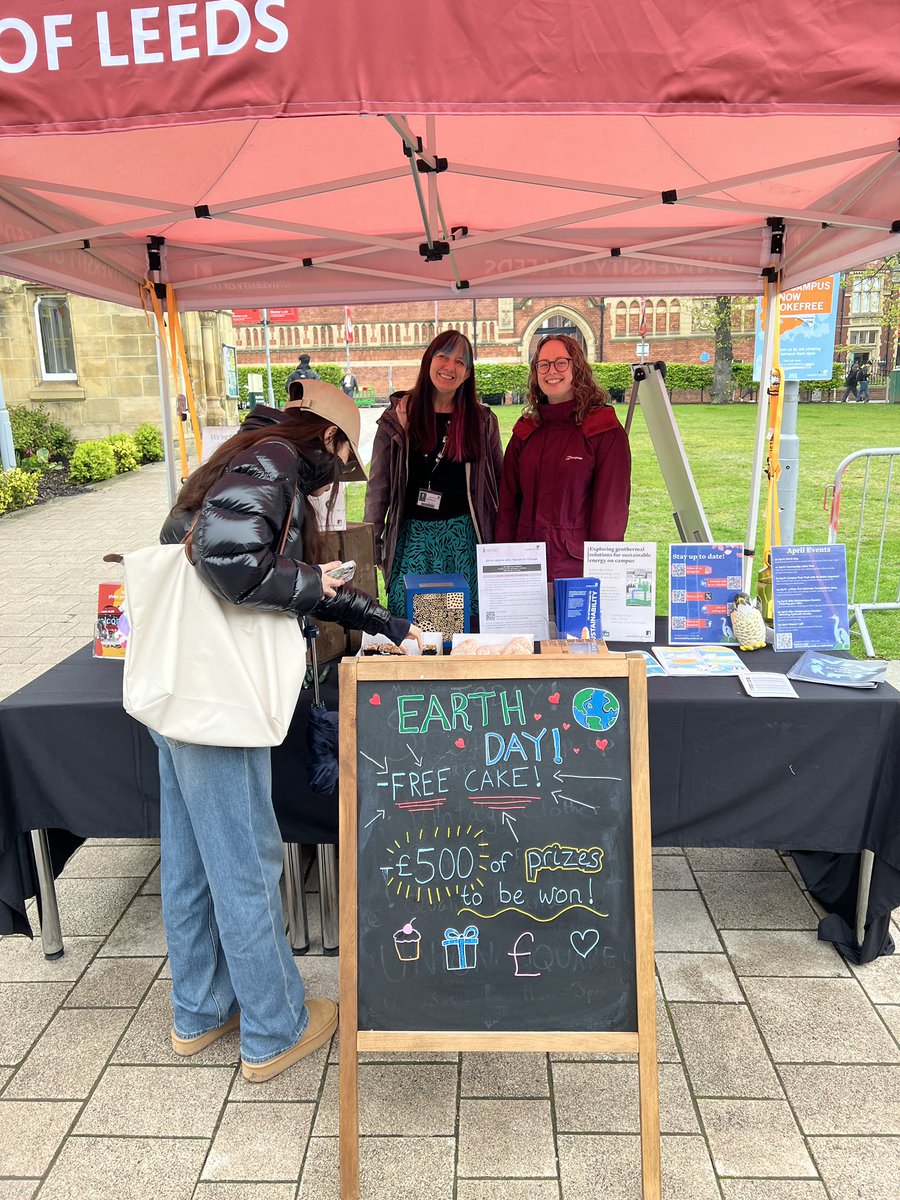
[(674, 317), (621, 319)]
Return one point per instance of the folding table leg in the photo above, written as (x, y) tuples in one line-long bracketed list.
[(328, 897), (295, 898), (866, 864), (51, 932)]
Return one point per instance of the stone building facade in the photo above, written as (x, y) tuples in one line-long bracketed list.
[(93, 365)]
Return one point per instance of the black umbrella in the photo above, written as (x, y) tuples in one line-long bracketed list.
[(321, 730)]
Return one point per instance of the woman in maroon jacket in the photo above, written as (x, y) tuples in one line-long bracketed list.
[(567, 469)]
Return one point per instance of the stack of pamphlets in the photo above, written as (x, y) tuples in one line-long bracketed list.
[(813, 667), (578, 607)]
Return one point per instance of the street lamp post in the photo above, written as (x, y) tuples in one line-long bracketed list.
[(265, 321)]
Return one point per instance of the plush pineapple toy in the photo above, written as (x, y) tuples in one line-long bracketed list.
[(747, 623)]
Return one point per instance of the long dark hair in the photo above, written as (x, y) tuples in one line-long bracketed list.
[(464, 435), (302, 429), (588, 393)]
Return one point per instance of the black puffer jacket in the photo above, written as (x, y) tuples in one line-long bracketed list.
[(235, 540)]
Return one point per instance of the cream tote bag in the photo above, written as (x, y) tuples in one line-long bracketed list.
[(201, 670)]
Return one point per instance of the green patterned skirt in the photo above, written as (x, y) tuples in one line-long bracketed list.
[(433, 548)]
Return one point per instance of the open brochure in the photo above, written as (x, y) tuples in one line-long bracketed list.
[(767, 684), (698, 660), (814, 667)]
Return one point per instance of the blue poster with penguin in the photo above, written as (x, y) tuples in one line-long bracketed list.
[(809, 588)]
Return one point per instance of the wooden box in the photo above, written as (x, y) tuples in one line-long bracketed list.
[(356, 542)]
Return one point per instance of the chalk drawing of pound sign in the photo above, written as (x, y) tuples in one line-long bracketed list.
[(522, 957)]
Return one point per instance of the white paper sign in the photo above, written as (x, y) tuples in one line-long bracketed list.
[(512, 588), (627, 574), (338, 519), (214, 436)]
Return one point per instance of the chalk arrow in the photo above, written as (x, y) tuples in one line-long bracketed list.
[(557, 796), (559, 776), (378, 813), (510, 821), (413, 753), (382, 767)]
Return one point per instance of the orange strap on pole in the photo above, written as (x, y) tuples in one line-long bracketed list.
[(148, 290), (177, 339)]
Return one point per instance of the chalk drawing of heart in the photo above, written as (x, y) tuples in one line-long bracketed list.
[(566, 725), (537, 716), (376, 699), (576, 749), (602, 743), (460, 743), (554, 699), (584, 941)]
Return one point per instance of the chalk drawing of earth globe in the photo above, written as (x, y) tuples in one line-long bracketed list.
[(594, 708)]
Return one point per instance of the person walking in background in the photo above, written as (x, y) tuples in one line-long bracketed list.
[(567, 468), (302, 371), (221, 848), (864, 383), (851, 382), (349, 386), (434, 479)]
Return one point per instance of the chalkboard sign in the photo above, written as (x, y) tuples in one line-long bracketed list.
[(494, 855), (495, 865)]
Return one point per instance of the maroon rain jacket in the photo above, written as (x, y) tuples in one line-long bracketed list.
[(565, 484)]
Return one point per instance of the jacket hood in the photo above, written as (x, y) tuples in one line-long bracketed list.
[(598, 420), (262, 414)]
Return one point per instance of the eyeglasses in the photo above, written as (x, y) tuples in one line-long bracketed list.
[(558, 364)]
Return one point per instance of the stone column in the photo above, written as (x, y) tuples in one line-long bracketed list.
[(215, 393)]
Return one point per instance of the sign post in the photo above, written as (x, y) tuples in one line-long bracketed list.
[(496, 880)]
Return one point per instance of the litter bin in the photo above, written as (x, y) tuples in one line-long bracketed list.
[(893, 386)]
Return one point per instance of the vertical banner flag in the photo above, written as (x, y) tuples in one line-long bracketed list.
[(348, 326)]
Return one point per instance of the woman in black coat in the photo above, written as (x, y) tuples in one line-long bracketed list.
[(220, 842)]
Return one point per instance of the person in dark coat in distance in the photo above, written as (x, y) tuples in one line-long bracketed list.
[(221, 847), (433, 483), (567, 469), (302, 371)]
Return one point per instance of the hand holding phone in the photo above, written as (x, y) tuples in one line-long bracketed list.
[(345, 571)]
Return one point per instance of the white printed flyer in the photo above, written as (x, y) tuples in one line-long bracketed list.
[(627, 574), (512, 588)]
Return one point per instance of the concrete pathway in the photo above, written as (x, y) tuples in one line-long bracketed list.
[(779, 1064)]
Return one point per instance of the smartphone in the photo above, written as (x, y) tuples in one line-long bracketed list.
[(345, 571)]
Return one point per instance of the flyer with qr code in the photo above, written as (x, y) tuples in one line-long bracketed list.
[(809, 590), (703, 582)]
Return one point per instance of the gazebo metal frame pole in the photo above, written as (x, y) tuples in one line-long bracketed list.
[(773, 287)]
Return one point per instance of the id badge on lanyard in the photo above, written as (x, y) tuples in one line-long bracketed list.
[(428, 497)]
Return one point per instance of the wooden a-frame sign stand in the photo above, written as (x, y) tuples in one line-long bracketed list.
[(641, 1041)]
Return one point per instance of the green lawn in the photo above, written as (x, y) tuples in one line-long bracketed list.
[(719, 443)]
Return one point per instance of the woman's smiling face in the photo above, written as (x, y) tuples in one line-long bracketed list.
[(554, 372), (449, 368)]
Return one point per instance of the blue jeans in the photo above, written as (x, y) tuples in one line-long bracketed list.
[(222, 857)]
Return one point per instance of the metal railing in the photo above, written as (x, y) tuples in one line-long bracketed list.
[(868, 535)]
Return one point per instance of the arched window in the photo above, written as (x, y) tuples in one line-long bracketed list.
[(634, 318), (383, 340), (621, 325), (493, 331), (661, 317), (674, 317)]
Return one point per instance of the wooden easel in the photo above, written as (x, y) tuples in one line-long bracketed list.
[(641, 1041)]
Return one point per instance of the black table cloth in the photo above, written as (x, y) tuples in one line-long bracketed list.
[(819, 775)]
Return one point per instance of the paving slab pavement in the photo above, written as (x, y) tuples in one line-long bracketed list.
[(780, 1066)]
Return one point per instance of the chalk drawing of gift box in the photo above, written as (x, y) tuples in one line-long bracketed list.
[(461, 948)]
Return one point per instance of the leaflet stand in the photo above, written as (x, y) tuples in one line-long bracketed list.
[(687, 510)]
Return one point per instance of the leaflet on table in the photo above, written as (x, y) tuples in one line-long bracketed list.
[(653, 667), (512, 588), (703, 582), (844, 672), (577, 608), (698, 660), (763, 684), (111, 630), (627, 574), (809, 590)]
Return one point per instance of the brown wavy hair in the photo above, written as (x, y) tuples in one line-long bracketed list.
[(588, 394)]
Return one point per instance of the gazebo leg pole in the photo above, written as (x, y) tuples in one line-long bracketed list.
[(328, 897), (866, 864), (295, 898), (51, 931)]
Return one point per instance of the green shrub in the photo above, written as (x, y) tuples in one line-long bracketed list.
[(18, 489), (39, 462), (330, 372), (126, 452), (149, 442), (92, 461), (33, 430)]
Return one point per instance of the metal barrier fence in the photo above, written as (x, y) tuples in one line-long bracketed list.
[(868, 565)]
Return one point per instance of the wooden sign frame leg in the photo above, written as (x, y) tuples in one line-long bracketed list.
[(348, 1140)]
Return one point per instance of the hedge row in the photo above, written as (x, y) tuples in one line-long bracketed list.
[(116, 454)]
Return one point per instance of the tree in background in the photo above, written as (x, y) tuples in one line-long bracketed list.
[(715, 314)]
